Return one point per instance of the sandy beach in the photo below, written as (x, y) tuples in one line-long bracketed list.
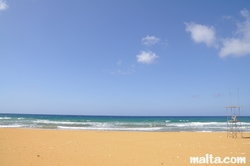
[(25, 147)]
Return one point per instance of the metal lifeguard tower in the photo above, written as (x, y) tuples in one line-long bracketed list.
[(233, 120), (233, 124)]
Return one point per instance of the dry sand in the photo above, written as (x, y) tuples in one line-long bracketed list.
[(23, 147)]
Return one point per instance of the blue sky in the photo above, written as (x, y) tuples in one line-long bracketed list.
[(124, 57)]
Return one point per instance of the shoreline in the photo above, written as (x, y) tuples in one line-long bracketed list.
[(21, 146), (146, 131), (103, 130)]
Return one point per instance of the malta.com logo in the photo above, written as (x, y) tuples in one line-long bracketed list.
[(209, 159)]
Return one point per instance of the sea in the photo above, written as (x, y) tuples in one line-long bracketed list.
[(122, 123)]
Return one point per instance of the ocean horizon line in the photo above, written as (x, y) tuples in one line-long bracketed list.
[(110, 115)]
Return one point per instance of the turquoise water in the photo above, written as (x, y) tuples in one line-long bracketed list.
[(121, 123)]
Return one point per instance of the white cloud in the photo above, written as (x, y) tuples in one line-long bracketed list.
[(227, 17), (3, 5), (125, 71), (119, 62), (239, 46), (235, 47), (146, 57), (150, 40), (244, 13), (201, 33)]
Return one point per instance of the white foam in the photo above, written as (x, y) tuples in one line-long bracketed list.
[(245, 123), (197, 124), (59, 122), (183, 120), (10, 126), (5, 118), (20, 118), (110, 129)]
